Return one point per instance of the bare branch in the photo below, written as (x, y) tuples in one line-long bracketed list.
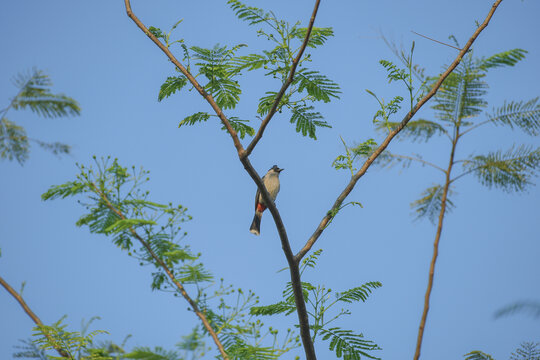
[(192, 80), (419, 160), (436, 246), (437, 41), (475, 126), (169, 273), (32, 315), (322, 225), (286, 84)]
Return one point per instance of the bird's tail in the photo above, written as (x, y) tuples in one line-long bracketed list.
[(256, 224)]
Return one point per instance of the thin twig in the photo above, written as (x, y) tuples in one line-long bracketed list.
[(436, 247), (33, 316), (474, 127), (322, 225), (286, 84), (419, 160), (437, 41), (169, 273)]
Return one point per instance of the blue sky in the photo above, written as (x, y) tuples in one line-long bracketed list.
[(94, 53)]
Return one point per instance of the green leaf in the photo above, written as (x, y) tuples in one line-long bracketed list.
[(509, 171), (347, 344), (56, 148), (461, 95), (36, 95), (360, 293), (241, 127), (192, 274), (417, 130), (178, 255), (307, 120), (365, 149), (311, 260), (124, 224), (70, 188), (156, 32), (524, 115), (316, 85), (266, 102), (527, 351), (530, 307), (250, 62), (506, 58), (171, 85), (477, 355), (318, 35), (217, 66), (278, 308), (195, 118), (394, 72), (430, 202), (251, 14), (158, 353), (13, 142)]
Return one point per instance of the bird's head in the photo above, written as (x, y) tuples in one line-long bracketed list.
[(276, 169)]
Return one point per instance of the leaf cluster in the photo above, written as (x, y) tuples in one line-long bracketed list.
[(345, 343), (117, 206), (34, 93), (221, 67)]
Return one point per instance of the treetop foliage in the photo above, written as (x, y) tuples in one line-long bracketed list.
[(221, 67)]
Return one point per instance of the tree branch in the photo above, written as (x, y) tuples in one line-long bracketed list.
[(474, 127), (33, 316), (294, 270), (192, 80), (322, 225), (286, 84), (444, 198), (419, 160), (169, 273)]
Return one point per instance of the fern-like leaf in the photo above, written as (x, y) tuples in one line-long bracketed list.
[(527, 351), (506, 58), (266, 102), (430, 202), (509, 171), (348, 345), (195, 118), (318, 35), (192, 274), (251, 14), (13, 142), (477, 355), (360, 293), (417, 130), (146, 353), (241, 127), (36, 95), (307, 120), (278, 308), (171, 85), (316, 85), (524, 115)]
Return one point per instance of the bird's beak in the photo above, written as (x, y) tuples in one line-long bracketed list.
[(280, 170)]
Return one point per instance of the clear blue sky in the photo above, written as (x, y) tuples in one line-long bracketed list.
[(94, 53)]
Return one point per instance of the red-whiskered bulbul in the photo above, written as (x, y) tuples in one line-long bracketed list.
[(271, 182)]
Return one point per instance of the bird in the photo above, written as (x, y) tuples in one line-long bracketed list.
[(271, 182)]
